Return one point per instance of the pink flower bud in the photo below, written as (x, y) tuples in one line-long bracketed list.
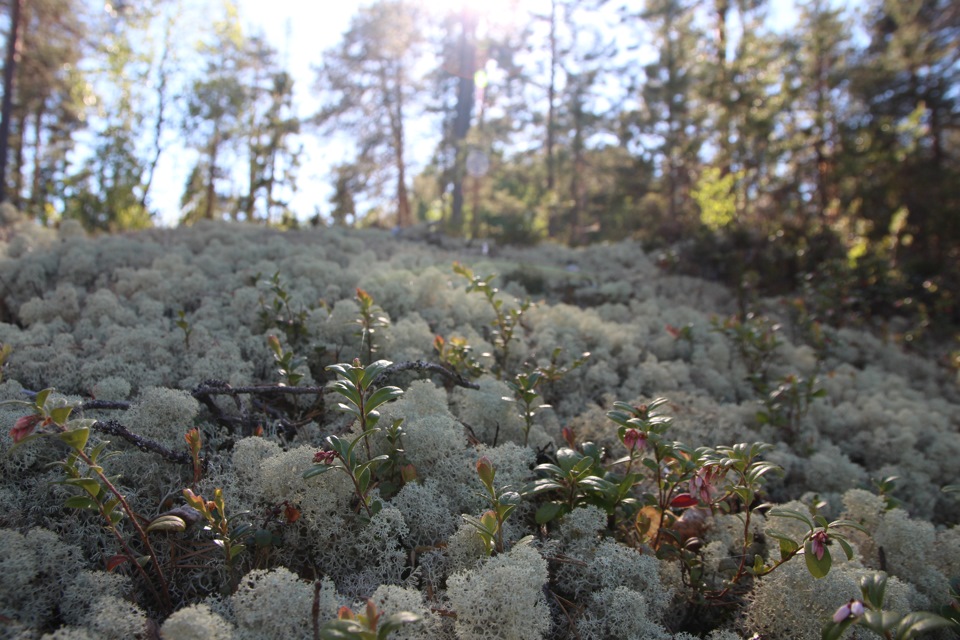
[(818, 543), (24, 427), (633, 439), (324, 457), (842, 613), (852, 609)]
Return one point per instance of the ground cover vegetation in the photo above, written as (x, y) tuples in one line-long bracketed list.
[(228, 431)]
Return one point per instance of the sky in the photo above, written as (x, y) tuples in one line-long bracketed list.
[(301, 31)]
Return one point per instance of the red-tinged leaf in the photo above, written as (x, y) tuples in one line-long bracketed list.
[(291, 514), (683, 500), (24, 427), (115, 561)]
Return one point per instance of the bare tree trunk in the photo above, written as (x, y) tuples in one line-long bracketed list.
[(212, 173), (14, 42), (551, 99), (466, 88), (395, 108)]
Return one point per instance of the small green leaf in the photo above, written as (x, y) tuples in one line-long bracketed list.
[(549, 511), (81, 502), (167, 523), (236, 550), (40, 400), (89, 485), (380, 396), (60, 415), (316, 470), (818, 567), (790, 513), (97, 450), (394, 621), (913, 624), (75, 438)]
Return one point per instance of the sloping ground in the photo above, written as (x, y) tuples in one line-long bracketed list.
[(147, 321)]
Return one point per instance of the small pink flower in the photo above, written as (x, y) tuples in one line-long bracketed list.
[(634, 439), (852, 609), (703, 485), (324, 457), (818, 542), (24, 427), (842, 613)]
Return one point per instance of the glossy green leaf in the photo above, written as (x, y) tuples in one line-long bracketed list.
[(549, 511), (316, 470), (381, 396), (818, 567), (790, 513), (918, 622)]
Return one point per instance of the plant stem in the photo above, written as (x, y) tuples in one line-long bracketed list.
[(166, 601)]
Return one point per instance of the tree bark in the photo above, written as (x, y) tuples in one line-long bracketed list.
[(6, 111), (466, 89)]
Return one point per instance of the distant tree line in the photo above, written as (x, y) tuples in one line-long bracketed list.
[(829, 142)]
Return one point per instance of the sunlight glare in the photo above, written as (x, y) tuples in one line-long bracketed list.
[(492, 11)]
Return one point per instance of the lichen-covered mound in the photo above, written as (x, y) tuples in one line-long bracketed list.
[(164, 331)]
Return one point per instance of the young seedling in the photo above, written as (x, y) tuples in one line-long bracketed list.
[(372, 318), (506, 320), (490, 525), (361, 399), (285, 362)]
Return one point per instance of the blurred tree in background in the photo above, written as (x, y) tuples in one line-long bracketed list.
[(776, 154)]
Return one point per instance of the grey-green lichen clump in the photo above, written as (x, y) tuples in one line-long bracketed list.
[(148, 321)]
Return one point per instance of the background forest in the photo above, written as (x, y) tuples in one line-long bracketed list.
[(753, 141)]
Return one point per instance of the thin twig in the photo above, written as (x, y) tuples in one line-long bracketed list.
[(114, 428), (421, 366)]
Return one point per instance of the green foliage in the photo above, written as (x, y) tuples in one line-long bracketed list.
[(280, 314), (96, 492), (360, 399), (756, 339), (369, 625), (715, 196), (286, 362), (506, 319), (814, 545), (371, 319), (184, 325), (456, 354), (227, 534), (786, 405), (502, 502)]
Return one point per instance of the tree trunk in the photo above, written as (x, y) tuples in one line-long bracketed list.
[(466, 89), (6, 111), (551, 99), (212, 174)]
